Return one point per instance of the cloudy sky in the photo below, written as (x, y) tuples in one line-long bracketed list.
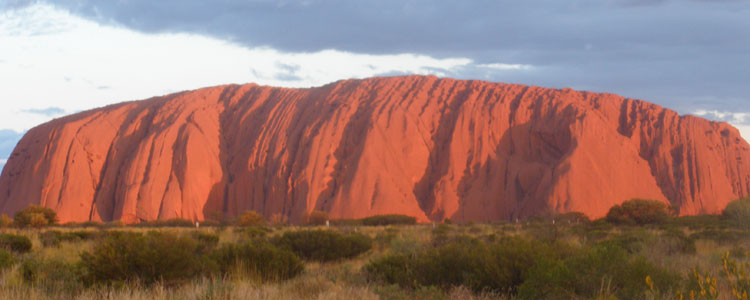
[(62, 56)]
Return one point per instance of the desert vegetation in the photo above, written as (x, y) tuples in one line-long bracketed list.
[(638, 251)]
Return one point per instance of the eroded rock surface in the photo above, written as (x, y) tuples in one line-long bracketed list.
[(423, 146)]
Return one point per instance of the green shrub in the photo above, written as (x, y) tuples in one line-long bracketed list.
[(383, 239), (442, 234), (50, 238), (737, 213), (207, 242), (51, 275), (324, 245), (721, 236), (16, 243), (80, 235), (586, 273), (36, 216), (699, 221), (154, 257), (676, 241), (6, 259), (497, 267), (175, 222), (53, 238), (258, 259), (632, 241), (382, 220), (638, 212), (545, 232), (95, 224)]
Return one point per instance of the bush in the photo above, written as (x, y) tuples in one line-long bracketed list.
[(317, 217), (699, 221), (15, 243), (382, 220), (154, 257), (496, 267), (258, 259), (586, 274), (638, 212), (324, 245), (251, 218), (737, 213), (50, 238), (675, 241), (53, 238), (35, 216), (175, 222), (6, 259), (632, 241), (52, 275), (207, 242), (720, 236), (80, 235)]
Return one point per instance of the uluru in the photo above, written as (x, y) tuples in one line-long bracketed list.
[(429, 147)]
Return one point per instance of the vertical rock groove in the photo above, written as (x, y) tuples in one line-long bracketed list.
[(429, 147)]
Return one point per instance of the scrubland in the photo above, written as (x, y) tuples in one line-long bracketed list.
[(623, 256)]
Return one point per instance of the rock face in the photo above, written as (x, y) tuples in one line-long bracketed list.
[(423, 146)]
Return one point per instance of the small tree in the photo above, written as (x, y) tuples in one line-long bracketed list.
[(36, 216), (317, 217), (251, 218), (638, 212), (737, 212)]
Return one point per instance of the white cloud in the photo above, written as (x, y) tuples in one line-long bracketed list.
[(499, 66), (740, 120), (744, 131), (50, 58)]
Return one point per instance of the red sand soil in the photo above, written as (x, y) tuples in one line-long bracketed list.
[(422, 146)]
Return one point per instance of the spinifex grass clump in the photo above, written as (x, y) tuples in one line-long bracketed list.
[(324, 245), (6, 259)]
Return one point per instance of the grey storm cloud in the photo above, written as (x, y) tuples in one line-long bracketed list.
[(677, 53)]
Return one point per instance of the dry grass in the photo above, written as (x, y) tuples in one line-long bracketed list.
[(339, 280)]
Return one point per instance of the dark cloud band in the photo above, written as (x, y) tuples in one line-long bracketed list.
[(675, 53)]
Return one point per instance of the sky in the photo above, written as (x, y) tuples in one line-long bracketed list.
[(63, 56)]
